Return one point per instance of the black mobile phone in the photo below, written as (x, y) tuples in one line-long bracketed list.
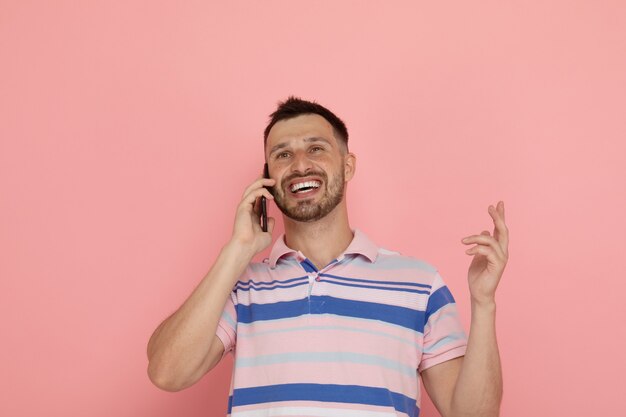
[(266, 174)]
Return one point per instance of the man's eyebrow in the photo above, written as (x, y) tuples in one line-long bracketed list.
[(277, 147), (317, 139), (311, 139)]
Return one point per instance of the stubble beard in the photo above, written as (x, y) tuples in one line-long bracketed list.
[(307, 210)]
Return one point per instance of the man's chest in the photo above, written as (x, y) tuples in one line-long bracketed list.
[(331, 312)]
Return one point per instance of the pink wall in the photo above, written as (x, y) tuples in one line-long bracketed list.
[(129, 130)]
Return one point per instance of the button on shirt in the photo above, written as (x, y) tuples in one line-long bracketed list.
[(346, 340)]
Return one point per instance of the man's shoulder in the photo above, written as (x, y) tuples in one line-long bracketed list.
[(262, 270), (388, 258), (258, 266)]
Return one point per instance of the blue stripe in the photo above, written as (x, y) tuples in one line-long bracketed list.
[(250, 282), (450, 338), (308, 266), (401, 316), (379, 288), (229, 319), (438, 299), (353, 394), (370, 281), (272, 311), (271, 288)]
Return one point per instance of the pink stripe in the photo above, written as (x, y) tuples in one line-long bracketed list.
[(330, 320), (329, 341)]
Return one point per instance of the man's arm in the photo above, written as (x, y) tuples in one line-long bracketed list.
[(184, 347), (472, 386)]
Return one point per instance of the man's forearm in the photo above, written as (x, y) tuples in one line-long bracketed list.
[(478, 391), (179, 346)]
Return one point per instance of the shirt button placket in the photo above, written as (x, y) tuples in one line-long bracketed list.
[(312, 278)]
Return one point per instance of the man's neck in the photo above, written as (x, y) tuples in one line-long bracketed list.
[(321, 241)]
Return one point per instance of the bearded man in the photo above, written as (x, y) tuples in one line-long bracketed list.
[(331, 324)]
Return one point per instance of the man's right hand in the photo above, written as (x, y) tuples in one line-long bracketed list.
[(178, 351), (247, 232)]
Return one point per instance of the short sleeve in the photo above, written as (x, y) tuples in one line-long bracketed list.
[(227, 326), (444, 336)]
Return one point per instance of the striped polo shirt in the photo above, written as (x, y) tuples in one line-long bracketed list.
[(347, 340)]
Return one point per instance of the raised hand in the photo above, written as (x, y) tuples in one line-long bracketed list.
[(247, 230), (491, 254)]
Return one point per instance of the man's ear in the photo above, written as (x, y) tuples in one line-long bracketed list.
[(349, 166)]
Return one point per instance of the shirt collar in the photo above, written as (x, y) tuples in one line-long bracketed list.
[(360, 245)]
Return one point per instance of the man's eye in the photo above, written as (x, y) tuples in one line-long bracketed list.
[(317, 148), (280, 155)]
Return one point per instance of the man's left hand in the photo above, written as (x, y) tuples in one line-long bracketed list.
[(491, 254)]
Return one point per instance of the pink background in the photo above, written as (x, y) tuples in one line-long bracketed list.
[(129, 130)]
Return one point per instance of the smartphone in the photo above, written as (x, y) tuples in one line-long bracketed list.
[(266, 174)]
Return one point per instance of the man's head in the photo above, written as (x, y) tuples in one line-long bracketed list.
[(295, 107), (306, 148)]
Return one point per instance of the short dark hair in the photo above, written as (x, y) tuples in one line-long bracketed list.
[(295, 106)]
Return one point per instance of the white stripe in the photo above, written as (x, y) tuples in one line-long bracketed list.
[(252, 328), (310, 411), (413, 301), (327, 328), (325, 357)]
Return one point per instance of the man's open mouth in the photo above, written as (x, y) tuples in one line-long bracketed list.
[(304, 187)]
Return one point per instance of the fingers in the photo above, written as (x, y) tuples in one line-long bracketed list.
[(500, 231), (259, 183), (252, 199), (247, 229), (257, 206), (485, 245)]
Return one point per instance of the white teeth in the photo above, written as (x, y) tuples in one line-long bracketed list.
[(296, 187)]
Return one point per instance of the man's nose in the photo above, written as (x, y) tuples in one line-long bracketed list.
[(301, 163)]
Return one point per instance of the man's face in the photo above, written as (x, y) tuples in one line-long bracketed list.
[(307, 162)]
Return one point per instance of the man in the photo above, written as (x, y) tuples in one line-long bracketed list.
[(331, 324)]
